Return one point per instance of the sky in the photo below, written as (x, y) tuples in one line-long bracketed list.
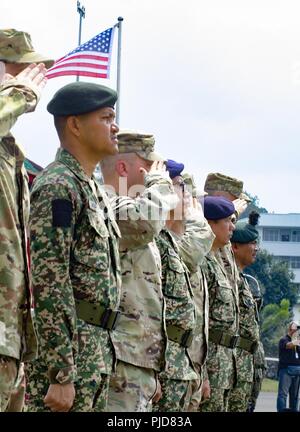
[(216, 81)]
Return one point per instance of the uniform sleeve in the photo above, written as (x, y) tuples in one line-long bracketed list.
[(195, 243), (15, 99), (52, 221), (142, 218)]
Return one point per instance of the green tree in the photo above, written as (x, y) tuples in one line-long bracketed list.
[(254, 205), (275, 278), (274, 323)]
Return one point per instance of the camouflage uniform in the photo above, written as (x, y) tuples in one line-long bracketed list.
[(17, 336), (259, 355), (176, 381), (223, 326), (76, 283), (247, 345), (139, 338), (193, 246)]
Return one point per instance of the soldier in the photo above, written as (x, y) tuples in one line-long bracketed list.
[(244, 245), (75, 259), (177, 380), (17, 337), (223, 309), (260, 365), (217, 184), (194, 245), (143, 196)]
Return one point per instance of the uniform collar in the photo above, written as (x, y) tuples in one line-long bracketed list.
[(72, 163)]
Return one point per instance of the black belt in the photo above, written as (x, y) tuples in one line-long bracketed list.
[(247, 345), (222, 338), (96, 314), (179, 335)]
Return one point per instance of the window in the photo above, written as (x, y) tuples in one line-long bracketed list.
[(296, 235), (292, 261), (271, 234), (295, 262), (285, 235)]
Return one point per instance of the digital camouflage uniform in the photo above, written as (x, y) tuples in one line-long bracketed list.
[(17, 337), (247, 345), (259, 355), (139, 338), (76, 283), (193, 246), (180, 323), (223, 327)]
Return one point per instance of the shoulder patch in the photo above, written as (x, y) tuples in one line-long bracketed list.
[(61, 213)]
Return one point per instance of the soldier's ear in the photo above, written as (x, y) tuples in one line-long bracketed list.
[(122, 168), (73, 124)]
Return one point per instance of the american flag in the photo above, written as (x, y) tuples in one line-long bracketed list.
[(90, 59)]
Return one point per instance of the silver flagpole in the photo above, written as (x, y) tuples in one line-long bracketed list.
[(119, 25), (81, 11)]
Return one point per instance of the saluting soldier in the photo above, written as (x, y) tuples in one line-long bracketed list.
[(142, 196), (21, 83)]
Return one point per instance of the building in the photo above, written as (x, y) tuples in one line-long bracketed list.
[(280, 236)]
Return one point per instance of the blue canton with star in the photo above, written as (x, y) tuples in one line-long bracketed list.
[(100, 43)]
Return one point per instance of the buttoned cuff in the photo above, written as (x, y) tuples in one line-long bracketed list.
[(62, 375)]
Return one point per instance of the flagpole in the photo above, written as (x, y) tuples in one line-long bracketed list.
[(119, 25), (81, 11)]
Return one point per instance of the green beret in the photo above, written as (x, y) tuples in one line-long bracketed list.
[(220, 182), (245, 232), (81, 98), (141, 143)]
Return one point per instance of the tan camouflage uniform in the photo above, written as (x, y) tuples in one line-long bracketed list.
[(76, 282), (223, 327), (139, 338), (17, 336)]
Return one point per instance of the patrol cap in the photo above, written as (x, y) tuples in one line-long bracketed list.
[(81, 98), (174, 168), (16, 47), (245, 232), (141, 143), (221, 182), (216, 207)]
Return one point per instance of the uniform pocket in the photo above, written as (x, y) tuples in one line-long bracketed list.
[(92, 248), (175, 281), (223, 308)]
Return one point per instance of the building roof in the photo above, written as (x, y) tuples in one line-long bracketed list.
[(289, 220)]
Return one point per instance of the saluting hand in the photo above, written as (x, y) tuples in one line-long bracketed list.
[(34, 75), (158, 167)]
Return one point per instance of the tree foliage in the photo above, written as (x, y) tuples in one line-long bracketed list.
[(275, 278), (254, 205), (275, 319)]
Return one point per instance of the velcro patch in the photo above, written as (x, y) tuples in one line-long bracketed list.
[(61, 213)]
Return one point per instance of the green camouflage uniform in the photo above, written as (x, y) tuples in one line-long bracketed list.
[(180, 321), (249, 337), (76, 280), (223, 327), (259, 355), (193, 246), (139, 338), (17, 337)]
